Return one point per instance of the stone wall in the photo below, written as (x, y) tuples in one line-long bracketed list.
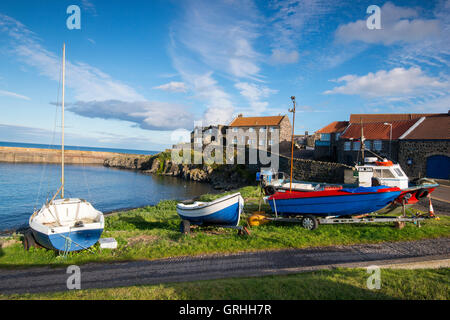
[(35, 155), (418, 151), (312, 170)]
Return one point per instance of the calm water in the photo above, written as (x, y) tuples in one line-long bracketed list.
[(24, 187), (46, 146)]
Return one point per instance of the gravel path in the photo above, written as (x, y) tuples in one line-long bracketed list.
[(107, 275)]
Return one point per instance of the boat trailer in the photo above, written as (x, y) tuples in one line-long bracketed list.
[(311, 222)]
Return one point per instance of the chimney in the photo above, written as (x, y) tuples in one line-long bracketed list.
[(240, 115)]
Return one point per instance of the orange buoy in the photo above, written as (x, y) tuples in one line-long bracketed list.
[(384, 163)]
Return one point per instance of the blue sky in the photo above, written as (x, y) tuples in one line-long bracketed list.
[(138, 71)]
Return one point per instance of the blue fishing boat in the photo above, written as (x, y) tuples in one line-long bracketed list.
[(225, 211), (340, 202)]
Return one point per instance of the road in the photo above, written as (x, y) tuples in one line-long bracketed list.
[(45, 279)]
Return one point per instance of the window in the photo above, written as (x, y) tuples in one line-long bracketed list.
[(235, 129), (235, 140), (368, 144), (387, 173), (270, 142), (198, 140), (262, 129), (262, 142), (347, 145), (337, 136), (272, 129), (324, 137), (250, 129), (210, 131), (250, 141), (377, 144), (399, 172), (356, 145)]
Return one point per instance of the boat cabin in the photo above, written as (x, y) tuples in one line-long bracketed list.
[(375, 173)]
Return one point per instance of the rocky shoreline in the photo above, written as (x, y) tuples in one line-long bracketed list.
[(221, 177)]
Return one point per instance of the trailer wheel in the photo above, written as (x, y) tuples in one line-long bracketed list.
[(269, 190), (185, 227), (309, 222)]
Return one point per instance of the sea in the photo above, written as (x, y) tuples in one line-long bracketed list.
[(25, 187)]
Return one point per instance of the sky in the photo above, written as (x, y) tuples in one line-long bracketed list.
[(139, 74)]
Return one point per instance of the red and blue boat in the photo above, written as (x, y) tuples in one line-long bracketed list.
[(335, 202)]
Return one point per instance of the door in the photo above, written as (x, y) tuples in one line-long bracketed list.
[(438, 167)]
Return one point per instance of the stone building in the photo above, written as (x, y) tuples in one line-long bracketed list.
[(381, 138), (202, 136), (425, 151), (326, 146), (259, 132)]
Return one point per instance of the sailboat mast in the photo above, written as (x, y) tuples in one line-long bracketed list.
[(62, 122), (292, 142)]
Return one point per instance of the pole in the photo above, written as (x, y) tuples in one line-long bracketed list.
[(362, 143), (292, 141), (390, 144), (62, 122)]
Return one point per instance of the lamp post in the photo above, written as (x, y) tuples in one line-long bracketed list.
[(390, 139)]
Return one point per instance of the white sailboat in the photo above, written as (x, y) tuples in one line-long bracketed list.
[(66, 224)]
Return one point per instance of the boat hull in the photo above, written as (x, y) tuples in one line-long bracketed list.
[(79, 240), (224, 213), (329, 203)]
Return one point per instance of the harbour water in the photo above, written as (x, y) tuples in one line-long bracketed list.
[(26, 187)]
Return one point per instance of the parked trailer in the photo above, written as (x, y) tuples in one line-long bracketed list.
[(311, 222)]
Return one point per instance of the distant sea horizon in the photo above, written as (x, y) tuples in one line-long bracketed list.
[(81, 148)]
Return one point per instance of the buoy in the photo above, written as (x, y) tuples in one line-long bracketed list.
[(257, 219)]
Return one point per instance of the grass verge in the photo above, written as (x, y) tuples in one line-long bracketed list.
[(153, 232), (349, 284)]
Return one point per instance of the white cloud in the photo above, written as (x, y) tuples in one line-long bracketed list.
[(172, 86), (254, 94), (280, 56), (221, 34), (396, 82), (13, 94), (398, 24), (149, 115)]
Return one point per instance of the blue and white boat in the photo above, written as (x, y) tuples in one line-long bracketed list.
[(225, 211), (66, 224)]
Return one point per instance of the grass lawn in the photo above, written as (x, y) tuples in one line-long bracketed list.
[(153, 232), (328, 284)]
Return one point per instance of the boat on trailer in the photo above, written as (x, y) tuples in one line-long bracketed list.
[(66, 224), (225, 211), (341, 202)]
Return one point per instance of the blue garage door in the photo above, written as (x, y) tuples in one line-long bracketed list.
[(438, 167)]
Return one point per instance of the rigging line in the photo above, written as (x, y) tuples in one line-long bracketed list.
[(85, 179), (44, 169)]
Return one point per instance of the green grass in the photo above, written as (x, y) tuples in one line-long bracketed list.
[(347, 284), (153, 232)]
